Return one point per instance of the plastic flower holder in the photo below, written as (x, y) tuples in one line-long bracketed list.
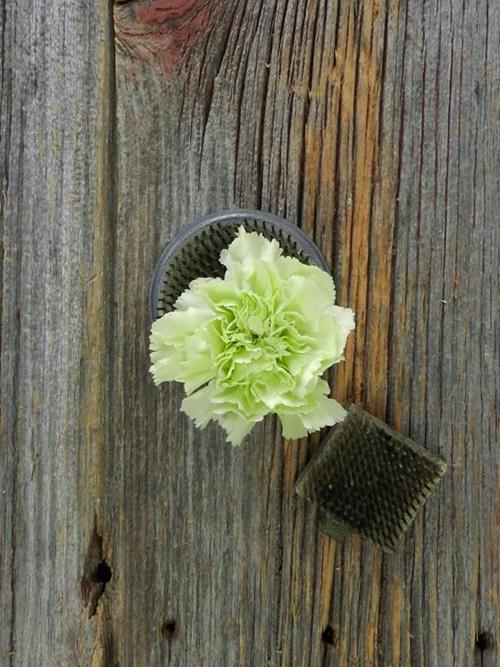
[(194, 252), (368, 479)]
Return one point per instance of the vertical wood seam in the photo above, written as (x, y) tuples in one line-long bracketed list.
[(96, 413)]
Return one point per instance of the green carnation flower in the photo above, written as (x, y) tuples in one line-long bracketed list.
[(255, 342)]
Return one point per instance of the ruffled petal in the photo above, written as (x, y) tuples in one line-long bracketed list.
[(289, 267), (292, 426), (247, 252), (326, 412), (176, 326), (199, 407), (236, 427)]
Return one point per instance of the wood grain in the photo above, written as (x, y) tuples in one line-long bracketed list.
[(373, 125), (56, 75)]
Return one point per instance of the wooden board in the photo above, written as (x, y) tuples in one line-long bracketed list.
[(56, 76), (374, 126)]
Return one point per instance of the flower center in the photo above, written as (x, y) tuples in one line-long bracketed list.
[(252, 343), (256, 325)]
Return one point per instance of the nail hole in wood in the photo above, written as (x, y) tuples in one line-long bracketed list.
[(168, 630), (102, 573), (329, 636), (485, 641)]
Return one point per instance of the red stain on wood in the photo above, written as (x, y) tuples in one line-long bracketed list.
[(162, 31), (166, 10)]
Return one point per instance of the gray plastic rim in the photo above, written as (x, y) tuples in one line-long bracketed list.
[(310, 249)]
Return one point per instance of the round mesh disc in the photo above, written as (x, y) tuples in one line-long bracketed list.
[(194, 252)]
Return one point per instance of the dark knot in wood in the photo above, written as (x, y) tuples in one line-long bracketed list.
[(329, 636), (485, 641), (168, 630), (96, 574)]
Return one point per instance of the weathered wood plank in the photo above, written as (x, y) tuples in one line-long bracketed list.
[(375, 127), (56, 76)]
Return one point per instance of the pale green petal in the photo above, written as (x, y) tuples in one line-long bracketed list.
[(248, 251), (326, 413), (195, 376), (292, 426), (344, 323), (239, 400), (306, 297), (289, 266), (194, 372), (176, 326), (165, 369), (304, 367), (199, 407), (194, 297), (331, 336), (236, 427), (265, 281), (216, 292), (269, 389)]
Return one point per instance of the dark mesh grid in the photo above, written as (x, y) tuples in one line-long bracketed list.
[(199, 255), (369, 479)]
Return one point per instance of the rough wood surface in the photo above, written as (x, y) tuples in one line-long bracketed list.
[(57, 62), (373, 125)]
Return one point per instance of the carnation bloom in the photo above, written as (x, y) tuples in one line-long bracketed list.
[(255, 342)]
